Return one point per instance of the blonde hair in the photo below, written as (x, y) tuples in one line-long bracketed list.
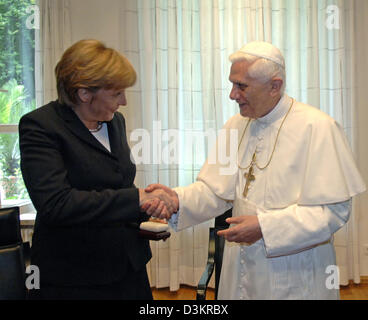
[(89, 64)]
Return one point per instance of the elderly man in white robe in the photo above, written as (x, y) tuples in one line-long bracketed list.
[(291, 191)]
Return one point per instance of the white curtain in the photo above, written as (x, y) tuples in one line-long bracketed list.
[(171, 98), (180, 50), (55, 38), (52, 39)]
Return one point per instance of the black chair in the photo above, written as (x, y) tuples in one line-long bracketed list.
[(215, 252), (14, 256)]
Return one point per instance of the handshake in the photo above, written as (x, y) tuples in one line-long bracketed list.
[(158, 201)]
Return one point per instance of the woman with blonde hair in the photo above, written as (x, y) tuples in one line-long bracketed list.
[(76, 165)]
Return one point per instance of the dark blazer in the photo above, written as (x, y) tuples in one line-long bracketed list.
[(84, 196)]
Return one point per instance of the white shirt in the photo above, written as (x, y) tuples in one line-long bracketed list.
[(102, 136)]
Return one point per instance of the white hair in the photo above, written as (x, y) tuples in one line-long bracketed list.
[(261, 69)]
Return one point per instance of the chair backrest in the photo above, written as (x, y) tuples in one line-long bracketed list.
[(216, 246), (220, 224), (12, 267)]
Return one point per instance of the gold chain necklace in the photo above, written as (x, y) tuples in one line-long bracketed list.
[(249, 176), (99, 127)]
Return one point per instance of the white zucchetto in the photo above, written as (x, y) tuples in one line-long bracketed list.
[(262, 50)]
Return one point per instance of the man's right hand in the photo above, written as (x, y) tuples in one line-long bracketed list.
[(158, 201), (161, 209)]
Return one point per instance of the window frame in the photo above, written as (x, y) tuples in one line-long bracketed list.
[(8, 128), (12, 128)]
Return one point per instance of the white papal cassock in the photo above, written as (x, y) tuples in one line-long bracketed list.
[(302, 198)]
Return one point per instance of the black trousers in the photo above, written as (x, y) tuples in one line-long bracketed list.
[(134, 286)]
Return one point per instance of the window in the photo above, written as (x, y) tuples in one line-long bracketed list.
[(17, 84)]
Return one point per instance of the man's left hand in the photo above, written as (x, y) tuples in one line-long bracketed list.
[(246, 229)]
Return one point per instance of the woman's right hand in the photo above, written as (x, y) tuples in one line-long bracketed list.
[(157, 203)]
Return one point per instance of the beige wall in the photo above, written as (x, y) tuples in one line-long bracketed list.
[(361, 40)]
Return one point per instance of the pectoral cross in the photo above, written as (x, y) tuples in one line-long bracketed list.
[(249, 176)]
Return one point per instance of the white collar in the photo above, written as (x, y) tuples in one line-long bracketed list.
[(277, 112)]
